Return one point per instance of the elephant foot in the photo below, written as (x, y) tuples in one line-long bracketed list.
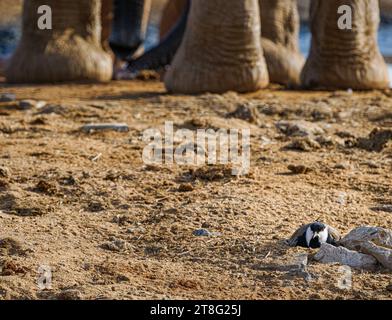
[(63, 59), (284, 65), (346, 74), (221, 50), (342, 56), (61, 53)]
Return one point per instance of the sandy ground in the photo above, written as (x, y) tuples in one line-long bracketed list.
[(108, 226)]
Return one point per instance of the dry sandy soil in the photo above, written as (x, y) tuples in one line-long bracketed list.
[(110, 226)]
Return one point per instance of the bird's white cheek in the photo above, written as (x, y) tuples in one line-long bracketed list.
[(323, 236)]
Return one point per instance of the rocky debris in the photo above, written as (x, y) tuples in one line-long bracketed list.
[(95, 206), (331, 254), (299, 128), (10, 268), (377, 140), (246, 111), (373, 241), (300, 267), (4, 172), (31, 104), (379, 236), (116, 245), (7, 97), (94, 127), (69, 294), (299, 169), (46, 188), (50, 109), (205, 233), (306, 144), (322, 112), (212, 173)]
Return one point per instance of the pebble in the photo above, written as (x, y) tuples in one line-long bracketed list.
[(119, 127), (299, 128), (389, 287), (31, 104), (7, 97), (205, 233)]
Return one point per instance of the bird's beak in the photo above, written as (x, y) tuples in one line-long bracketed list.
[(316, 235)]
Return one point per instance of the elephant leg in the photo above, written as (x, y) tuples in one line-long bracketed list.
[(280, 33), (129, 26), (70, 51), (221, 49), (171, 15), (343, 57), (107, 20), (160, 56)]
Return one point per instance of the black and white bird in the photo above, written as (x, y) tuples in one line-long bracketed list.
[(312, 235)]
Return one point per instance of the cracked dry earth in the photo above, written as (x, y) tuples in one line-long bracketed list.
[(111, 227)]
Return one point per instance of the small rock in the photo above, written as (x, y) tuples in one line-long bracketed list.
[(205, 233), (7, 97), (389, 287), (299, 169), (202, 233), (331, 254), (303, 144), (383, 208), (299, 128), (119, 127), (247, 112), (185, 187), (373, 241), (30, 104), (70, 294), (95, 206), (46, 187), (116, 245)]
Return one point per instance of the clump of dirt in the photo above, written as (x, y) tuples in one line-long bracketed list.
[(10, 268), (211, 173), (247, 112), (377, 140), (299, 169), (46, 187), (11, 247), (306, 144)]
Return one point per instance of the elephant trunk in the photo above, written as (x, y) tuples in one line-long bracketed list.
[(344, 53), (70, 50), (221, 49), (280, 25)]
